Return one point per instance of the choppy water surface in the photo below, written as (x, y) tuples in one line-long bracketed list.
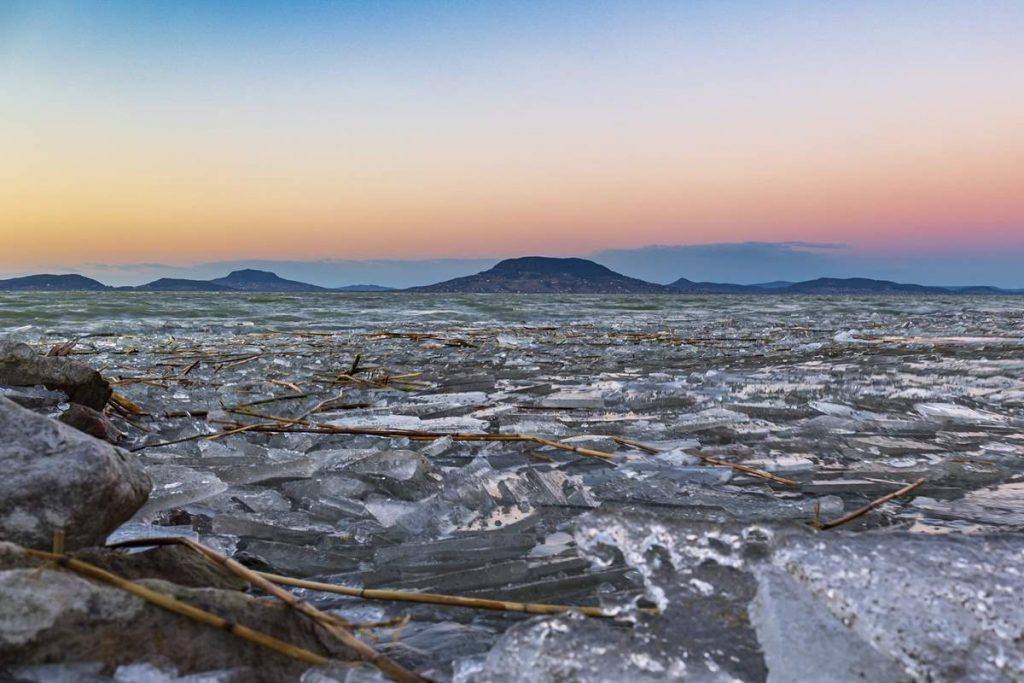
[(34, 313), (843, 399)]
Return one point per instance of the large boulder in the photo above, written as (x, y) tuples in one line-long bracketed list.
[(54, 476), (52, 615), (20, 366)]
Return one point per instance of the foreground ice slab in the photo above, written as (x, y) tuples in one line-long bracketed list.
[(945, 608), (784, 604), (803, 641)]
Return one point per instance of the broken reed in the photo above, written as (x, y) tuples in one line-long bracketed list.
[(261, 579), (301, 425), (869, 507), (416, 435), (752, 471), (437, 598), (279, 424), (336, 626), (178, 607)]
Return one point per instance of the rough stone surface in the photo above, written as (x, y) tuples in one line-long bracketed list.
[(176, 564), (57, 477), (54, 615), (92, 422), (20, 366)]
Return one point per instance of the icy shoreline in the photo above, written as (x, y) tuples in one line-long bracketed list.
[(849, 399)]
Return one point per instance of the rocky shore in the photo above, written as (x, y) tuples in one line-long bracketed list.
[(63, 485)]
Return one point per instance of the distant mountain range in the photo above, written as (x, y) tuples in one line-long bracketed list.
[(526, 275), (237, 281)]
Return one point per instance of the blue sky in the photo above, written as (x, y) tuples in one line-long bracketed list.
[(189, 132)]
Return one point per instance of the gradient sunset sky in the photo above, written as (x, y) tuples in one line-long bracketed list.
[(183, 132)]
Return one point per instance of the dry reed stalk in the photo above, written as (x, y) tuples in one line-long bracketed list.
[(186, 413), (174, 605), (754, 472), (309, 428), (154, 380), (58, 541), (635, 444), (172, 442), (436, 598), (229, 432), (970, 461), (397, 622), (302, 425), (870, 506), (280, 424), (125, 404), (334, 625), (274, 399), (233, 363), (747, 470), (294, 387)]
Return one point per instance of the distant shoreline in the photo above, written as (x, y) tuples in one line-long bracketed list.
[(415, 293), (525, 275)]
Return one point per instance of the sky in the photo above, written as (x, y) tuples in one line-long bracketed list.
[(885, 138)]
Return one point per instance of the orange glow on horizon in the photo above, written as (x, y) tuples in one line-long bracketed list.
[(556, 149)]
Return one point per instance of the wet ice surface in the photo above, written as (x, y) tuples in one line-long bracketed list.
[(850, 398)]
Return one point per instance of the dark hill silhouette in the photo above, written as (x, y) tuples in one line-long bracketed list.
[(264, 281), (858, 285), (362, 288), (65, 283), (174, 284), (241, 281), (543, 275), (689, 287)]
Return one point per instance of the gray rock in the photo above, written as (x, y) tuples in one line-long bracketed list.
[(52, 615), (92, 422), (141, 672), (175, 563), (20, 366), (57, 477)]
